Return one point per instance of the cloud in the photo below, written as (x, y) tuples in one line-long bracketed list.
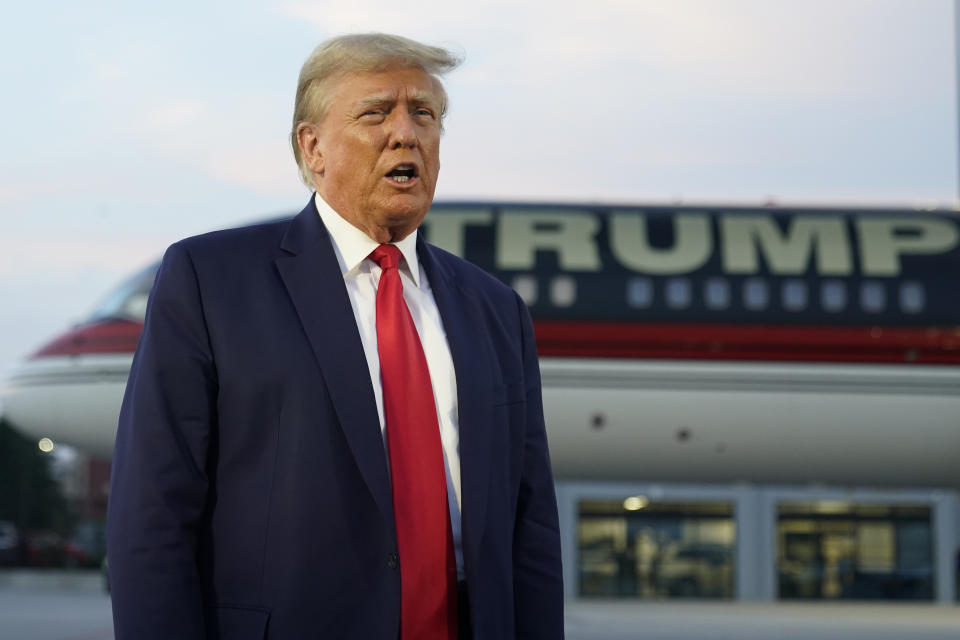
[(790, 48), (22, 186), (242, 142), (175, 115), (556, 99), (64, 251), (429, 16)]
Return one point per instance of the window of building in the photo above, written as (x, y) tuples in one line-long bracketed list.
[(634, 548), (834, 550)]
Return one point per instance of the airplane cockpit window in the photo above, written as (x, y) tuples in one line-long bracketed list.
[(129, 300)]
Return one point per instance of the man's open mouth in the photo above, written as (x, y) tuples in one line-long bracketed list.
[(403, 173)]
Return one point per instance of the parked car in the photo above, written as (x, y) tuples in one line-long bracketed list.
[(43, 548), (699, 571), (9, 544), (87, 546)]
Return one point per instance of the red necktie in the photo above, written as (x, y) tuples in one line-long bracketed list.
[(428, 572)]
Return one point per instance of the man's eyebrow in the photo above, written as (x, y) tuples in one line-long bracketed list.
[(416, 97), (420, 96), (375, 101)]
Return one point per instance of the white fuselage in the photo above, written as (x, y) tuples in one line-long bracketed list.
[(641, 420)]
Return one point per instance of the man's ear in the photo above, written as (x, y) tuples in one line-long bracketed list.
[(308, 137)]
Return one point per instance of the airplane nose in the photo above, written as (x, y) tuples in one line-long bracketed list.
[(71, 388)]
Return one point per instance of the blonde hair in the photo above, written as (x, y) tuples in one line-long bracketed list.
[(353, 53)]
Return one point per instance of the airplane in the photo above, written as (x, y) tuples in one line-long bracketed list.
[(678, 343)]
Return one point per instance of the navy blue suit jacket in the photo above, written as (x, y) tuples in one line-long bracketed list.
[(250, 495)]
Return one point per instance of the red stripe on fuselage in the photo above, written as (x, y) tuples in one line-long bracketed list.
[(933, 345), (108, 336)]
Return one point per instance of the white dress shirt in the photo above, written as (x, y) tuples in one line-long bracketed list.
[(361, 276)]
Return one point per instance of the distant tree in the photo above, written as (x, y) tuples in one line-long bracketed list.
[(30, 495)]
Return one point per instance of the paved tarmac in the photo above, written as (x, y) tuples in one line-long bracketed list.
[(749, 621), (72, 606), (54, 605)]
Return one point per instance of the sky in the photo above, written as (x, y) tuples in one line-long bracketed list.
[(125, 126)]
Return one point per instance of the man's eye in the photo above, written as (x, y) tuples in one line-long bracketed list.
[(424, 112), (372, 113)]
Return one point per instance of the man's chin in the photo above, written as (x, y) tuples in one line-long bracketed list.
[(398, 225), (405, 209)]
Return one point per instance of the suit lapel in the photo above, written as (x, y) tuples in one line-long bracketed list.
[(472, 363), (314, 282)]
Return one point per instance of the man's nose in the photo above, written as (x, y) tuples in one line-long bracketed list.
[(404, 132)]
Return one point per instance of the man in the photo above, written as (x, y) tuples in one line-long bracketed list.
[(333, 429)]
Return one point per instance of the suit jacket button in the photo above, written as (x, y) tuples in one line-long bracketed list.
[(393, 561)]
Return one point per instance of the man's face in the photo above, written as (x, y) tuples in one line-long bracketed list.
[(378, 150)]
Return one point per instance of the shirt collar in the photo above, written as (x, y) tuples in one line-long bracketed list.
[(353, 246)]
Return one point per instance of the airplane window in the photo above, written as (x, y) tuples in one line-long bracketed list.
[(563, 291), (716, 293), (129, 300), (833, 295), (873, 297), (755, 295), (912, 297), (639, 293), (526, 288), (136, 305), (794, 295), (679, 293)]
